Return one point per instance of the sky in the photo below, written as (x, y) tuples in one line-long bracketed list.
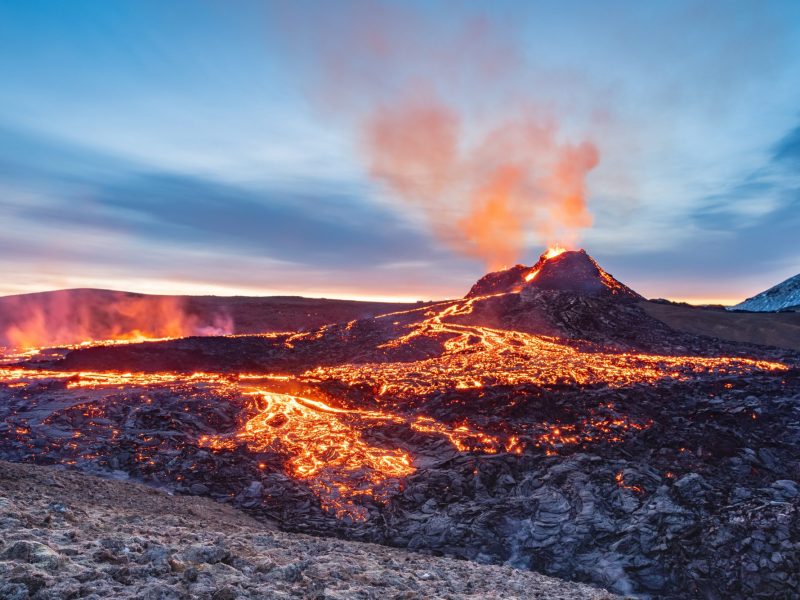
[(294, 147)]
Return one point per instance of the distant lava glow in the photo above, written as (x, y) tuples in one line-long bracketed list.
[(70, 317)]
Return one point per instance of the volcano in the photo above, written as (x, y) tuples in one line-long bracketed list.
[(557, 269)]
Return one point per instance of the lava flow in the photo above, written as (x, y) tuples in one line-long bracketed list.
[(325, 447), (334, 449), (476, 356), (351, 412)]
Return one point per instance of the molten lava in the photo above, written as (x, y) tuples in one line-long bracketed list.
[(357, 444), (326, 448), (476, 356), (553, 251)]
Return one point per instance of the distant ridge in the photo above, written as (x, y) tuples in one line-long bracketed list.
[(784, 296)]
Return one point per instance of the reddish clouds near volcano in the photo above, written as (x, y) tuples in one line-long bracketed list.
[(448, 122), (482, 199)]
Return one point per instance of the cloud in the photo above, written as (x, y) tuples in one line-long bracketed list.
[(787, 150), (759, 198), (743, 235), (81, 191)]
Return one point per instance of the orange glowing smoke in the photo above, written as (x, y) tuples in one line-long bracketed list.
[(483, 200), (448, 124), (75, 316), (492, 225)]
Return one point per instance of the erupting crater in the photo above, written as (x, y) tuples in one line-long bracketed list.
[(557, 269)]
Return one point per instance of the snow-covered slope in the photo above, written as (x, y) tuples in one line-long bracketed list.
[(779, 297)]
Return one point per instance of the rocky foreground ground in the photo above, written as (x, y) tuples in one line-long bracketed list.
[(68, 535)]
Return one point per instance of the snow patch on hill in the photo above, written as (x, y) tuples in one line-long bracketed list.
[(785, 295)]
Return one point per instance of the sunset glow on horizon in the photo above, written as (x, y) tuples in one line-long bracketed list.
[(392, 151)]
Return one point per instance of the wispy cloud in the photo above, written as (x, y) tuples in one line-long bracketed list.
[(741, 237), (787, 150), (66, 204)]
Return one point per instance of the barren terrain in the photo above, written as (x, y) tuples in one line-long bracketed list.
[(66, 535), (768, 329)]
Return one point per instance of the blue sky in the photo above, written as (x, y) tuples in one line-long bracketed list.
[(185, 146)]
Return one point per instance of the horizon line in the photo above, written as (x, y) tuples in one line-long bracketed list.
[(232, 292)]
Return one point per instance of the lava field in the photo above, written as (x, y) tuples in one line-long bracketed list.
[(543, 428)]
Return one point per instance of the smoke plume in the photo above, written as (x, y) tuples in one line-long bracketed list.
[(75, 316), (447, 124)]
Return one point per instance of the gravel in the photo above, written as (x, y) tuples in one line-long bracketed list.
[(68, 535)]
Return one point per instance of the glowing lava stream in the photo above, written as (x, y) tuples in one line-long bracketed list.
[(331, 450), (325, 449), (476, 356)]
